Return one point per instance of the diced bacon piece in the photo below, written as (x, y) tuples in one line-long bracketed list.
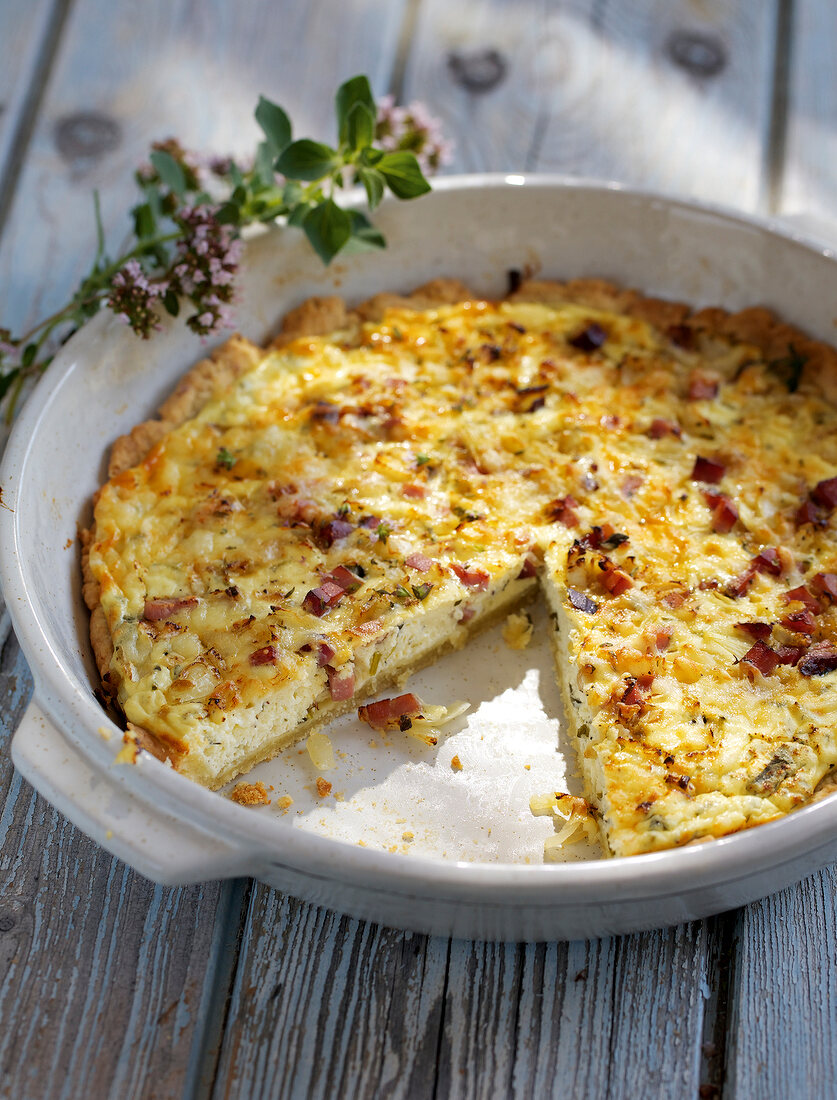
[(703, 386), (789, 654), (467, 614), (529, 568), (615, 581), (471, 578), (707, 470), (329, 531), (345, 578), (370, 522), (414, 492), (597, 537), (630, 485), (674, 599), (662, 637), (826, 584), (562, 511), (759, 631), (267, 655), (762, 657), (419, 561), (390, 713), (325, 412), (636, 691), (820, 659), (802, 595), (369, 628), (164, 607), (296, 511), (809, 513), (800, 622), (341, 682), (582, 602), (739, 585), (659, 429), (590, 338), (321, 600), (724, 512), (768, 561), (325, 652), (825, 493)]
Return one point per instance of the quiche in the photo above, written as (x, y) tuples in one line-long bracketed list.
[(305, 524)]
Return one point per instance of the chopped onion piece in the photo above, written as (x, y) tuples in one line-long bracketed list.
[(437, 715), (321, 751), (570, 813)]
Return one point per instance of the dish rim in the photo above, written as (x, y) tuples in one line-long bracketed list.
[(275, 839)]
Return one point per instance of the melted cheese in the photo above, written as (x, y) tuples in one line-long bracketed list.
[(448, 446)]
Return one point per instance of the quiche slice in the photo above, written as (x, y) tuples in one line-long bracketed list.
[(306, 524)]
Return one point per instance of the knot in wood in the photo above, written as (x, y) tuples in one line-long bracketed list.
[(478, 70), (7, 922), (701, 55), (86, 135)]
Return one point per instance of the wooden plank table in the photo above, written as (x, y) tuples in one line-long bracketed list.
[(113, 987)]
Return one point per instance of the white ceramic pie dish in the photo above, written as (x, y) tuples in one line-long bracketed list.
[(104, 381)]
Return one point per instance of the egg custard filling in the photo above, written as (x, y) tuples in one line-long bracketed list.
[(306, 524)]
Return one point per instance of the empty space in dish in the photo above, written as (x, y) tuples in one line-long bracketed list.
[(393, 792)]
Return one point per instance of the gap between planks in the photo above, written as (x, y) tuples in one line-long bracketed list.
[(18, 129)]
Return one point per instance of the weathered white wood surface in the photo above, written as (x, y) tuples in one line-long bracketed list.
[(808, 182), (668, 95), (402, 1015), (126, 75), (112, 987), (785, 1015), (28, 34)]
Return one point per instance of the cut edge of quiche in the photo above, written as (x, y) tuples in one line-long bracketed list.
[(643, 794)]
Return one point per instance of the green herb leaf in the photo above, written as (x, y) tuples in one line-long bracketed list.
[(225, 458), (169, 171), (355, 90), (374, 183), (144, 221), (263, 167), (401, 592), (297, 214), (275, 124), (6, 381), (422, 460), (307, 160), (421, 591), (365, 237), (360, 127), (328, 227), (383, 531), (171, 302), (403, 175), (28, 356), (229, 213)]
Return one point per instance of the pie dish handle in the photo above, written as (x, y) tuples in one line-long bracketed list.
[(169, 851)]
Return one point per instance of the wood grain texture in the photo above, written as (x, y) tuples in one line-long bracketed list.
[(101, 972), (784, 1023), (323, 1003), (325, 1006), (128, 74), (809, 176), (668, 95), (25, 36)]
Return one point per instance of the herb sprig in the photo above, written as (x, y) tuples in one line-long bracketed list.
[(184, 247)]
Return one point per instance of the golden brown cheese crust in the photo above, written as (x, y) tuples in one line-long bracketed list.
[(655, 785)]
